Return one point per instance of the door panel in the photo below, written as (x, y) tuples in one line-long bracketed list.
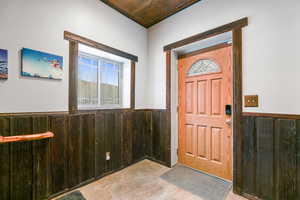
[(216, 144), (201, 142), (204, 136), (189, 140), (201, 100), (216, 95), (189, 97)]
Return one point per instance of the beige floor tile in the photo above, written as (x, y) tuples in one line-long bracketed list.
[(233, 196), (139, 182)]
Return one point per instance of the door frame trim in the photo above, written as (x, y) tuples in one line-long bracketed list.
[(239, 24), (207, 49), (236, 28)]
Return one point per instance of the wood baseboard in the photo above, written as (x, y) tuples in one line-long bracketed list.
[(250, 196)]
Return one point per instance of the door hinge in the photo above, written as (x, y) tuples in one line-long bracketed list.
[(177, 108), (177, 151)]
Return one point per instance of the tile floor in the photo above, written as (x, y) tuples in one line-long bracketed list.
[(139, 182)]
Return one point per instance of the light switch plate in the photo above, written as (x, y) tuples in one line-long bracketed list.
[(251, 101)]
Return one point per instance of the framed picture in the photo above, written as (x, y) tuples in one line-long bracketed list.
[(3, 64), (38, 64)]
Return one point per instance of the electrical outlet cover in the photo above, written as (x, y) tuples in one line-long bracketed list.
[(107, 155)]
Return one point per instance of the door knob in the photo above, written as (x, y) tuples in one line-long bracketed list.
[(228, 122)]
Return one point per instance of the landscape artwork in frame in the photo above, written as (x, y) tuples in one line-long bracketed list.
[(38, 64), (3, 64)]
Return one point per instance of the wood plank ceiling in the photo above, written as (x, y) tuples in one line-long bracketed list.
[(149, 12)]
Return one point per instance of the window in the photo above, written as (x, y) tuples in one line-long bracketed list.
[(203, 66), (110, 84), (103, 80)]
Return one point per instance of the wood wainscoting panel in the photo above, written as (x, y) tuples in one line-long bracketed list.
[(99, 147), (160, 138), (74, 150), (87, 147), (109, 132), (59, 157), (298, 159), (139, 131), (148, 135), (270, 151), (265, 157), (41, 155), (76, 155), (21, 160), (127, 139), (157, 137), (249, 155), (286, 147), (5, 130), (270, 157)]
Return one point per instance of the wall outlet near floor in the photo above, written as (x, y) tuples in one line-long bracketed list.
[(107, 155)]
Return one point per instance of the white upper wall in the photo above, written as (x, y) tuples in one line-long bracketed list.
[(271, 64), (270, 52), (39, 25)]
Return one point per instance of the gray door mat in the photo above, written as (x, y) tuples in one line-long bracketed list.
[(73, 196), (205, 186)]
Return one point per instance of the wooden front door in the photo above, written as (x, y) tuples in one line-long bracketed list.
[(205, 91)]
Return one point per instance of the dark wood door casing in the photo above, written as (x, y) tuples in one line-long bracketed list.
[(236, 28)]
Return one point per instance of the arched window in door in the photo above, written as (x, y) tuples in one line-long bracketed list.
[(203, 66)]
